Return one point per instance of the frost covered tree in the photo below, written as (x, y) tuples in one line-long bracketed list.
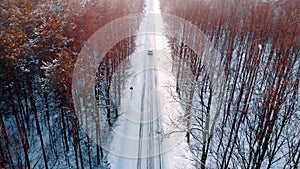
[(40, 41), (258, 43)]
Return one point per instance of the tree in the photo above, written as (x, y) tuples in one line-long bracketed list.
[(261, 66)]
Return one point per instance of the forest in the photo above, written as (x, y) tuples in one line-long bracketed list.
[(243, 112), (257, 104), (40, 41)]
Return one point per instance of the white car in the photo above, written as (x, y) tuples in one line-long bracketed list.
[(150, 52)]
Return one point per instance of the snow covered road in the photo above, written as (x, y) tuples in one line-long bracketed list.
[(139, 139)]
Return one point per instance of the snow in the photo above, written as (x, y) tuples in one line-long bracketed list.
[(149, 133), (260, 46)]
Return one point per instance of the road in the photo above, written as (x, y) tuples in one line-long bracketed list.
[(149, 146), (138, 140)]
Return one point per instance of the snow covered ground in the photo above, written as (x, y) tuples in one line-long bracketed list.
[(150, 133)]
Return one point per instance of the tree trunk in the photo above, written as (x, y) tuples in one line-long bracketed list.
[(25, 146), (64, 136), (37, 122), (80, 155), (48, 120), (179, 67), (4, 134), (89, 151)]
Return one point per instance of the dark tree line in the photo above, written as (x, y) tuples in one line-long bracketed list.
[(40, 41), (111, 77), (258, 50)]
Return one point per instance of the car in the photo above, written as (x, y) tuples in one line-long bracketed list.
[(150, 52)]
